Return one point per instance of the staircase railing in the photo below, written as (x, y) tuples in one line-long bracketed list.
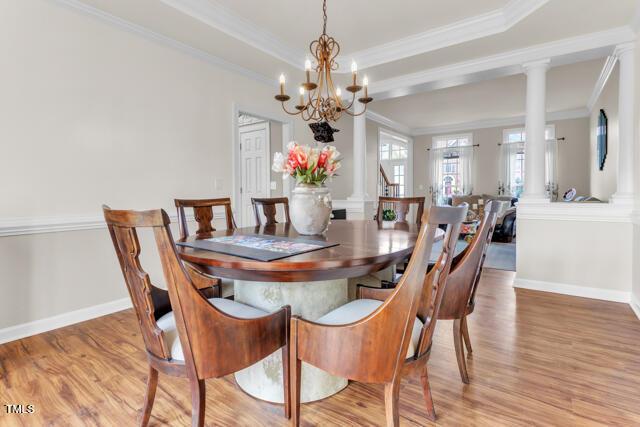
[(387, 188)]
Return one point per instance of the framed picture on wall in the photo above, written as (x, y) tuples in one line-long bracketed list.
[(601, 139)]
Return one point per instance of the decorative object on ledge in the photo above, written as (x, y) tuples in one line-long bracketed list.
[(310, 207), (601, 133), (323, 100), (569, 195)]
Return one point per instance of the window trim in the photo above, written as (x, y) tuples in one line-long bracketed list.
[(468, 136), (505, 133)]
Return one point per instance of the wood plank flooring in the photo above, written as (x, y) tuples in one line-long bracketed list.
[(539, 359)]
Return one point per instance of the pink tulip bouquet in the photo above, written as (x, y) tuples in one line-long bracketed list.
[(308, 165)]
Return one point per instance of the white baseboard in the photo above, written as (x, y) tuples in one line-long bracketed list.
[(17, 332), (573, 290), (635, 304)]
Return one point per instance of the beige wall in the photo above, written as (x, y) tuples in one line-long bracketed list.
[(603, 182), (92, 114), (573, 158), (275, 145)]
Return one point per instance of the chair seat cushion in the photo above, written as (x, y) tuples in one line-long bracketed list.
[(168, 324), (356, 310)]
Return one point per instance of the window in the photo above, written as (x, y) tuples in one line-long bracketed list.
[(451, 160), (394, 160), (511, 180)]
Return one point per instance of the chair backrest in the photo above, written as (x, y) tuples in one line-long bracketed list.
[(401, 206), (203, 214), (149, 302), (269, 209), (467, 266), (390, 326), (214, 343), (436, 280)]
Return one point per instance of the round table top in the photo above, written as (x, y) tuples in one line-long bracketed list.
[(363, 247)]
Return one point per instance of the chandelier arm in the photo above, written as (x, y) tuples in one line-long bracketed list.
[(295, 113)]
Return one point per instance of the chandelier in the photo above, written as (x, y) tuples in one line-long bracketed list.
[(320, 100)]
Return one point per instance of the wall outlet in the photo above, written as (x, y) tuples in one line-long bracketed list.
[(274, 185)]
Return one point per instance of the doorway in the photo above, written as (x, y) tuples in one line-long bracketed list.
[(255, 153), (395, 159)]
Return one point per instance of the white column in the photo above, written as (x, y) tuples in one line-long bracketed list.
[(626, 91), (359, 158), (535, 123)]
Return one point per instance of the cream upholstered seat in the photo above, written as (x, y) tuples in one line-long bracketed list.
[(357, 309), (168, 325)]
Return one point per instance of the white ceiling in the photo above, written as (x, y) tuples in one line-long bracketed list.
[(357, 24), (568, 87)]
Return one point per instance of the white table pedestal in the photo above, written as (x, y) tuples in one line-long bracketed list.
[(310, 300)]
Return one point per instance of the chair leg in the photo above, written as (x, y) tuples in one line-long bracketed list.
[(150, 395), (426, 391), (465, 335), (294, 384), (457, 341), (198, 398), (286, 380), (391, 402)]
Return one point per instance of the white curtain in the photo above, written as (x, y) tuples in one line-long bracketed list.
[(436, 187), (508, 154), (466, 168), (551, 168)]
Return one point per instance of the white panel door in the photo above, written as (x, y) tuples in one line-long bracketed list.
[(254, 156)]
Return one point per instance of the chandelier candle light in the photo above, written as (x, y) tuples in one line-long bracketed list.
[(323, 100)]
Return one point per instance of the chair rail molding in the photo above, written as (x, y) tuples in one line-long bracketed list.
[(563, 211), (57, 224)]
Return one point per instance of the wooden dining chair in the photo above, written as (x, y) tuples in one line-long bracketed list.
[(185, 334), (203, 215), (459, 296), (401, 207), (269, 209), (385, 334)]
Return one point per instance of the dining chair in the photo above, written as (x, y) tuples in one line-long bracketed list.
[(401, 207), (203, 215), (385, 334), (185, 334), (269, 209), (459, 296)]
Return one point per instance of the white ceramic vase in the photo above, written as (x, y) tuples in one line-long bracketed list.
[(310, 209)]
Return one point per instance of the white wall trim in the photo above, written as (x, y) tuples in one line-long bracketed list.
[(608, 67), (635, 305), (561, 211), (57, 224), (166, 41), (35, 327), (387, 122), (561, 52), (221, 18), (573, 290), (486, 24), (502, 122)]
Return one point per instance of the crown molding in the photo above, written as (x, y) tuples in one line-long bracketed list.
[(387, 122), (501, 122), (561, 52), (58, 224), (164, 40), (608, 67), (487, 24), (221, 18)]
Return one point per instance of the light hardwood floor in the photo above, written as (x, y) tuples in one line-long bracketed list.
[(539, 359)]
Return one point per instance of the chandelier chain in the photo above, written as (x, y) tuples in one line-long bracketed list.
[(324, 14)]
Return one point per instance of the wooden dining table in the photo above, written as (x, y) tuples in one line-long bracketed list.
[(312, 283)]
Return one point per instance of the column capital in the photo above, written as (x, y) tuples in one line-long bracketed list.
[(624, 49), (536, 65)]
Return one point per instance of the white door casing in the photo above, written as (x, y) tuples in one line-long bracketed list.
[(254, 167)]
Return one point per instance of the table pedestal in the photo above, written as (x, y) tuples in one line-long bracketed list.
[(309, 300)]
